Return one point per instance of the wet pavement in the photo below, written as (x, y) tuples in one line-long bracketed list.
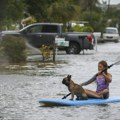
[(20, 90)]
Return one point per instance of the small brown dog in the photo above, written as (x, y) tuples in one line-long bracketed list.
[(75, 89)]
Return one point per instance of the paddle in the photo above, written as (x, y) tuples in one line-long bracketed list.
[(64, 97)]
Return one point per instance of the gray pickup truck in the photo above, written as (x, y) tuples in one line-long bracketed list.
[(45, 33)]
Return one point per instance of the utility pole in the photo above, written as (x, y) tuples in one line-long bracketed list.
[(108, 4)]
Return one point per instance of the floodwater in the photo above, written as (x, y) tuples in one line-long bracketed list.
[(20, 91)]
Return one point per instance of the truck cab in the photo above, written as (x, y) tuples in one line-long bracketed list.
[(41, 33)]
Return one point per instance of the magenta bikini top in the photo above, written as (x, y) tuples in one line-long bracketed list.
[(101, 83)]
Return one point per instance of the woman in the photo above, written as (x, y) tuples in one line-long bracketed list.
[(102, 80)]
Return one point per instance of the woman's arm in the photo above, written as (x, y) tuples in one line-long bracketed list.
[(89, 81), (108, 77)]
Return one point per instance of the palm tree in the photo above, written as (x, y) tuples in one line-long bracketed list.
[(63, 11), (88, 4)]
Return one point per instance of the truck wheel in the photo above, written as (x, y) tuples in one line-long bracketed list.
[(116, 41), (73, 48)]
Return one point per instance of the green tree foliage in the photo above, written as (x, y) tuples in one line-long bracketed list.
[(88, 5), (37, 8), (113, 17), (52, 10), (78, 28), (14, 48), (11, 12), (97, 21), (92, 14), (15, 9), (63, 11), (2, 13)]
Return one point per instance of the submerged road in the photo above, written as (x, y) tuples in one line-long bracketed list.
[(20, 91)]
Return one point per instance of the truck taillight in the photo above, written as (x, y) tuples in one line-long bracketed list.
[(89, 38)]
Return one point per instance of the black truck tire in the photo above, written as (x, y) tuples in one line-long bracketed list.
[(73, 48)]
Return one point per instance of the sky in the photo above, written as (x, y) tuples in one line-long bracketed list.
[(112, 1)]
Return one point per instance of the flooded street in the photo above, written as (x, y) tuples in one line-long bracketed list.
[(20, 91)]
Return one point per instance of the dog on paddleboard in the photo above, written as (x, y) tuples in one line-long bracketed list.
[(75, 89)]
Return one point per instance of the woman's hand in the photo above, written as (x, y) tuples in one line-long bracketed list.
[(108, 77)]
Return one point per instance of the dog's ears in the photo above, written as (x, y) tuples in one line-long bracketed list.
[(69, 77)]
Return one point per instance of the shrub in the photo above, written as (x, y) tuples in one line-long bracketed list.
[(78, 28), (87, 29), (14, 48), (46, 52)]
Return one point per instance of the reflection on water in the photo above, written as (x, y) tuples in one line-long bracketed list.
[(20, 90), (34, 68)]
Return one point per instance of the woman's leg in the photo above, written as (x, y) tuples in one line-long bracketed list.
[(105, 93), (93, 94)]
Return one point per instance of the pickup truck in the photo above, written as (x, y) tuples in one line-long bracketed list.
[(39, 34)]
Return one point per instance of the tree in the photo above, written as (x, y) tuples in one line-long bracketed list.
[(88, 4), (52, 10), (38, 8), (11, 12), (2, 12), (92, 14), (63, 11), (113, 17)]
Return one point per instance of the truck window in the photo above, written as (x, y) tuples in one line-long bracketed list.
[(49, 28), (35, 29)]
